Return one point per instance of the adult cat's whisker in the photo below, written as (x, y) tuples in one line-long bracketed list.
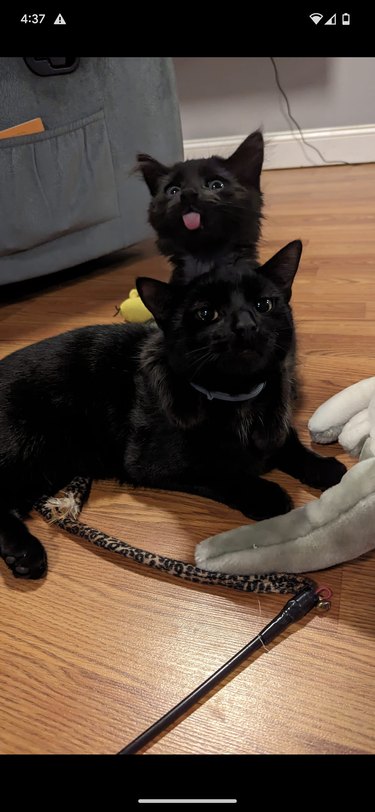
[(206, 347), (201, 359), (198, 349), (210, 357)]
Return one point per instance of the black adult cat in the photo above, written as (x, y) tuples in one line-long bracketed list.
[(199, 401), (209, 206)]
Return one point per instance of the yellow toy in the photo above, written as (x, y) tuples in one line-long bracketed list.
[(133, 309)]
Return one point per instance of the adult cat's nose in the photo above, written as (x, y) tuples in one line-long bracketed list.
[(245, 323), (188, 196)]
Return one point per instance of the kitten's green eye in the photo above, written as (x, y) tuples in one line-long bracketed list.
[(170, 191), (264, 305), (207, 314), (215, 185)]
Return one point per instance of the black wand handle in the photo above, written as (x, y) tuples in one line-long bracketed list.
[(295, 608)]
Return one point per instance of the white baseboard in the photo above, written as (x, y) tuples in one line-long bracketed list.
[(354, 145)]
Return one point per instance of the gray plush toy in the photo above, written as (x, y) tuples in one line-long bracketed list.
[(337, 527)]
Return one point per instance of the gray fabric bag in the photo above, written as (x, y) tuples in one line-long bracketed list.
[(67, 195)]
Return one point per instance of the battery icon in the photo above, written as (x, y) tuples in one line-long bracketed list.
[(345, 19)]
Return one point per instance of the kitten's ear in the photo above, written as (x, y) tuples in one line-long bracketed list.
[(283, 267), (151, 170), (247, 161), (156, 296)]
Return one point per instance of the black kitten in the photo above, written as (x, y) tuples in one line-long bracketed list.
[(199, 401), (208, 206)]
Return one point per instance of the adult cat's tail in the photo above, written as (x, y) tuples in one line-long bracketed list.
[(21, 551)]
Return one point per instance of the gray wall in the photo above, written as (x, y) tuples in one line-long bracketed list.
[(224, 96)]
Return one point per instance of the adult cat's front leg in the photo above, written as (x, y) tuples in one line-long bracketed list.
[(307, 466), (256, 498)]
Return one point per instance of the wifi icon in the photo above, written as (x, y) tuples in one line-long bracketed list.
[(316, 17)]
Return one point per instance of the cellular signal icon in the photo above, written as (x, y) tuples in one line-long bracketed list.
[(316, 17), (332, 20)]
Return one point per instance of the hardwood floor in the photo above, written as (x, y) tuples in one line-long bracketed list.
[(99, 650)]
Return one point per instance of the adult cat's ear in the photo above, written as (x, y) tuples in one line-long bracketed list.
[(283, 267), (156, 296), (247, 161), (151, 170)]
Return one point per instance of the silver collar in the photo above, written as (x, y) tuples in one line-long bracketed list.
[(225, 395)]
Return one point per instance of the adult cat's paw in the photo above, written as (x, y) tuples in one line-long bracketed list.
[(28, 561), (324, 472), (268, 500)]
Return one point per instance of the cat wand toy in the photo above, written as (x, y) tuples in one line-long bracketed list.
[(64, 512)]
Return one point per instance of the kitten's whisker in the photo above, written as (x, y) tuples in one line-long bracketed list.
[(284, 330)]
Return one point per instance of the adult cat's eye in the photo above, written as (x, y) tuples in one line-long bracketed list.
[(215, 185), (264, 305), (207, 314), (172, 190)]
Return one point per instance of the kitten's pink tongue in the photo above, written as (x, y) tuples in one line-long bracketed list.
[(192, 220)]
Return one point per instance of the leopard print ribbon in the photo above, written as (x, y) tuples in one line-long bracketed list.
[(64, 512)]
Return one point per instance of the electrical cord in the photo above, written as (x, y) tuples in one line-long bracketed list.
[(295, 608), (295, 122)]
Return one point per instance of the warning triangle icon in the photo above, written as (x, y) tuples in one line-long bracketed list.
[(59, 20), (331, 21)]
